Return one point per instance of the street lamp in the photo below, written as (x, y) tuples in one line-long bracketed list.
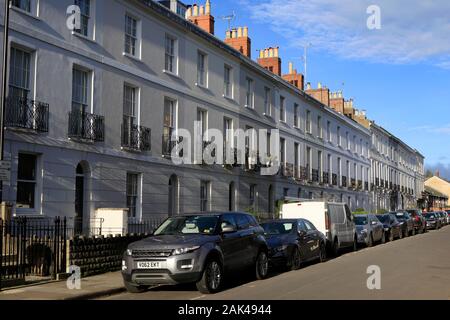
[(4, 85)]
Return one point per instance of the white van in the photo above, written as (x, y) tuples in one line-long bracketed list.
[(334, 220)]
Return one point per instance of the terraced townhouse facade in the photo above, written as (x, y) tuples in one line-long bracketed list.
[(90, 113)]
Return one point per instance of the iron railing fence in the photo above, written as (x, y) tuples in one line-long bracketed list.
[(86, 126), (26, 114), (136, 137)]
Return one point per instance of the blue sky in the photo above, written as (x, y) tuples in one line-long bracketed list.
[(399, 74)]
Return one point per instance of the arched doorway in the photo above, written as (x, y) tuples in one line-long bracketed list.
[(232, 197), (81, 179), (173, 196)]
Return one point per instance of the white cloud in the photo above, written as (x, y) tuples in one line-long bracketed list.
[(411, 30)]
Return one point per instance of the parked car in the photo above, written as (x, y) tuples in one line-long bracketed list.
[(448, 216), (369, 229), (407, 223), (444, 216), (334, 220), (392, 228), (294, 241), (420, 223), (197, 248), (433, 220)]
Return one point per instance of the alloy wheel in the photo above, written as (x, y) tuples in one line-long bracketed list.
[(214, 275), (262, 265)]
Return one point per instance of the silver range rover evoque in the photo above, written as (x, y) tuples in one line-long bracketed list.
[(196, 248)]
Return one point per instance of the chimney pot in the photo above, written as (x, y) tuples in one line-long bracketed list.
[(291, 68), (245, 31), (195, 10), (239, 32), (188, 12), (319, 85), (275, 52), (308, 86), (202, 10), (208, 7), (261, 54)]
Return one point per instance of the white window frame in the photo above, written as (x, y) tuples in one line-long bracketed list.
[(250, 93), (34, 9), (282, 109), (33, 66), (267, 101), (308, 123), (174, 55), (228, 88), (139, 183), (204, 71), (91, 31), (38, 189), (137, 37)]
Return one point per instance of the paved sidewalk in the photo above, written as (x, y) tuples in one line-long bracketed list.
[(91, 287)]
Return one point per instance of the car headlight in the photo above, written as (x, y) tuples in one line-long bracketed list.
[(179, 251), (129, 252), (281, 248), (386, 229)]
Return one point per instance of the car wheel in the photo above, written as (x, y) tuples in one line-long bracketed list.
[(383, 238), (335, 248), (323, 253), (262, 265), (391, 236), (370, 243), (212, 276), (134, 288), (295, 260)]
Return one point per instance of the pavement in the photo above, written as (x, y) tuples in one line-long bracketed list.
[(412, 268), (91, 288)]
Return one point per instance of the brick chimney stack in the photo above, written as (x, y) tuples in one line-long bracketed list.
[(294, 78), (270, 60), (337, 102), (321, 93), (238, 39), (201, 16)]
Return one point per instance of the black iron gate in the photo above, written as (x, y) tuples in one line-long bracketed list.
[(32, 250)]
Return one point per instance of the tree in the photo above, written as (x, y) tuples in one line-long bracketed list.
[(429, 174)]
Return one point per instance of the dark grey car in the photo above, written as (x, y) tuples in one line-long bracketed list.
[(197, 248), (369, 229)]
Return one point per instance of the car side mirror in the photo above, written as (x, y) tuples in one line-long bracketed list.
[(229, 229), (302, 233)]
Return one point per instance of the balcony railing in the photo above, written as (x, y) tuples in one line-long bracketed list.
[(344, 181), (326, 177), (315, 175), (136, 138), (352, 183), (86, 126), (26, 114), (334, 179), (168, 145)]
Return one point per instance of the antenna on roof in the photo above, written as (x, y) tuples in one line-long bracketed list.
[(230, 18)]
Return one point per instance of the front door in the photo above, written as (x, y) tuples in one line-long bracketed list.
[(79, 200)]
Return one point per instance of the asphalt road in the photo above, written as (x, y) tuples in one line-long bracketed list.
[(412, 268)]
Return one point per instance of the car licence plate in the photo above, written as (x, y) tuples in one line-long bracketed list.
[(151, 265)]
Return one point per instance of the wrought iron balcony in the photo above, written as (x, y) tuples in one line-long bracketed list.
[(315, 175), (334, 179), (168, 145), (86, 126), (26, 114), (352, 183), (136, 138), (326, 177), (344, 181)]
